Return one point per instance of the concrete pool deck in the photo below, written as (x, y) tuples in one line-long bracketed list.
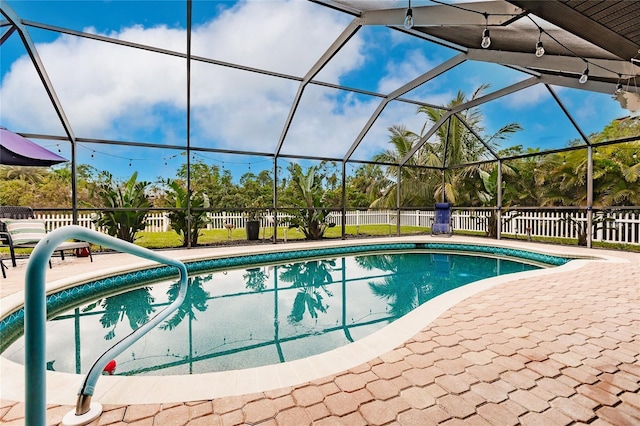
[(555, 346)]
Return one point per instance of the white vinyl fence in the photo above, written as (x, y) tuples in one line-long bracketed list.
[(621, 226)]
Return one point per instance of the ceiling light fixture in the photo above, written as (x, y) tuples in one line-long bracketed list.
[(408, 18), (486, 40), (539, 47), (585, 75)]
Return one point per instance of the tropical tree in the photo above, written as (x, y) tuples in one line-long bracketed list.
[(523, 187), (125, 206), (16, 192), (309, 194), (366, 185), (35, 186), (186, 225), (616, 170), (565, 179), (581, 227), (616, 175), (458, 145), (212, 180), (256, 192), (455, 145), (617, 167), (417, 183), (24, 173), (54, 190)]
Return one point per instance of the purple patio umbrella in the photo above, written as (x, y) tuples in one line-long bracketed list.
[(16, 150)]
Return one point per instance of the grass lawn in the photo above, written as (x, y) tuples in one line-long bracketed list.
[(155, 240)]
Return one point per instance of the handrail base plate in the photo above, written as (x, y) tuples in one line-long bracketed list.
[(71, 419)]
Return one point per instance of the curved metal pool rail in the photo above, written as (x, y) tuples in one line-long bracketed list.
[(35, 313)]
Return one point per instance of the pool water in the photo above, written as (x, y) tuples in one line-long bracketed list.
[(258, 316)]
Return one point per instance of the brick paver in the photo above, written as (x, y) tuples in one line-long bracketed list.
[(557, 349)]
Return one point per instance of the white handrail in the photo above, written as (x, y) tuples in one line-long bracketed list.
[(35, 313)]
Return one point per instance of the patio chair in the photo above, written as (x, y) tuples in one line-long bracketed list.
[(442, 223), (20, 229)]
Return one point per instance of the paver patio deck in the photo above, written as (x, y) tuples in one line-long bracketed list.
[(555, 349)]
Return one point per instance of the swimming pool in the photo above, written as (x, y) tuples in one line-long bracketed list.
[(276, 317)]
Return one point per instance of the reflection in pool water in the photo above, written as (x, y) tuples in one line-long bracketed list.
[(258, 316)]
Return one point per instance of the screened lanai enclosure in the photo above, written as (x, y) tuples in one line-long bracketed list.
[(524, 115)]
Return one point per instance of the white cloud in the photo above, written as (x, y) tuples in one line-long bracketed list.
[(528, 97), (408, 67), (24, 102), (321, 130), (111, 91), (287, 38), (98, 84)]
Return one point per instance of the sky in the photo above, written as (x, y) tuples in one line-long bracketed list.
[(131, 95)]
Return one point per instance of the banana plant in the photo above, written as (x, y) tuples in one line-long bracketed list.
[(178, 196), (126, 206), (309, 218)]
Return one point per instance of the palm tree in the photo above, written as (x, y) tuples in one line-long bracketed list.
[(455, 145), (523, 187), (417, 183), (31, 175), (566, 180), (186, 223), (368, 184), (616, 170), (255, 279), (488, 196), (616, 176)]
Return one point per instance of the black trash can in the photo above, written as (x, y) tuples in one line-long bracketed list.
[(253, 229)]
